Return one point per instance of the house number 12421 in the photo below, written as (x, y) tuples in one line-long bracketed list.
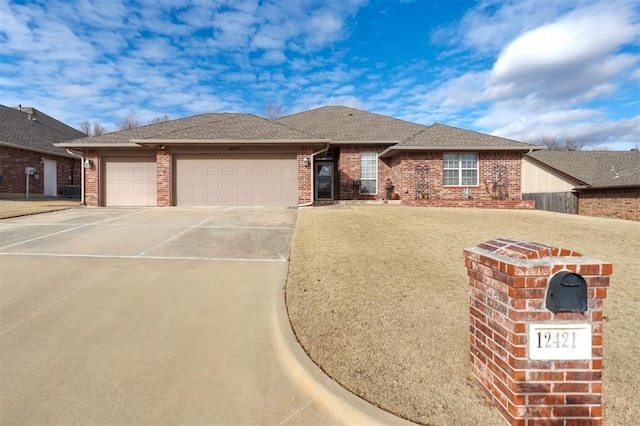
[(557, 340)]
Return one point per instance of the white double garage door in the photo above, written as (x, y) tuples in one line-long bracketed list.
[(205, 180)]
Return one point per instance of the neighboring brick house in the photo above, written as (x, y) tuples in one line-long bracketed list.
[(601, 183), (26, 141), (325, 154)]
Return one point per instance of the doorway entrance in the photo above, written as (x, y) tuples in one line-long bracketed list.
[(324, 180), (50, 178)]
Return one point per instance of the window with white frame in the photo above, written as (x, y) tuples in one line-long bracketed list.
[(368, 173), (460, 169)]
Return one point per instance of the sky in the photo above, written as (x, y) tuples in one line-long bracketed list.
[(522, 69)]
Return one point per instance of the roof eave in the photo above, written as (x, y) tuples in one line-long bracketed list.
[(78, 145), (589, 187), (365, 142), (157, 141), (392, 150), (42, 151)]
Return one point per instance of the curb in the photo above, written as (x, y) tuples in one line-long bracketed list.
[(340, 405)]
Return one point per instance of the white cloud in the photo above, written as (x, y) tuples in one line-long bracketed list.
[(563, 46), (552, 62)]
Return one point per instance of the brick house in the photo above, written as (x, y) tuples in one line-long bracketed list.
[(326, 154), (26, 141), (595, 183)]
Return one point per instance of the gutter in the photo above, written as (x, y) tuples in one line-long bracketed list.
[(159, 141), (588, 187), (454, 148), (31, 149), (311, 163)]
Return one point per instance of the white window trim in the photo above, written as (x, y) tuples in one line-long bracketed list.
[(375, 179), (460, 169)]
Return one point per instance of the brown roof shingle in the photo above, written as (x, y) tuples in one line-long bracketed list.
[(34, 130), (449, 137), (205, 127), (343, 124), (597, 169)]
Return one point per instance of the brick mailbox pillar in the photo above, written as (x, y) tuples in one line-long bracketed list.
[(536, 344)]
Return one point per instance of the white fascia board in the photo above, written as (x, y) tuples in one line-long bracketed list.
[(225, 141)]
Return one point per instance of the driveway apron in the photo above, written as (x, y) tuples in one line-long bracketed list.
[(163, 316)]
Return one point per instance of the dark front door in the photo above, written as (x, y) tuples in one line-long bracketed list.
[(324, 180)]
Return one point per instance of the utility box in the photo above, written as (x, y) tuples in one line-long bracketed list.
[(30, 171), (71, 191), (536, 315)]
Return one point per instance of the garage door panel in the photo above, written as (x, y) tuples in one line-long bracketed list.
[(238, 180), (130, 182)]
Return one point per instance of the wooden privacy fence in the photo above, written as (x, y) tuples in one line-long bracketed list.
[(560, 202)]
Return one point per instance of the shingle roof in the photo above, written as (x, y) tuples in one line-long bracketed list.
[(203, 127), (597, 169), (448, 137), (34, 130), (335, 124), (343, 124)]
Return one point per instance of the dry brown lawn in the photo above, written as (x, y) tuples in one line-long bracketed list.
[(378, 297), (14, 208)]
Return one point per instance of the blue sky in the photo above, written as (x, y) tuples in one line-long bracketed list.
[(523, 69)]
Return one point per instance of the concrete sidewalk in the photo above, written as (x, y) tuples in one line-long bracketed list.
[(165, 316)]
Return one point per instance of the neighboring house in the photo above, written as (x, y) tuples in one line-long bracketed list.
[(325, 154), (591, 183), (26, 144)]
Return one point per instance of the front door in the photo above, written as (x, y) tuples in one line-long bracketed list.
[(324, 180)]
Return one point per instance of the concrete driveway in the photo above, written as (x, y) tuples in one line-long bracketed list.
[(157, 316)]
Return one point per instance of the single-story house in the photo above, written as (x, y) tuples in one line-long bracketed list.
[(590, 183), (27, 154), (325, 154)]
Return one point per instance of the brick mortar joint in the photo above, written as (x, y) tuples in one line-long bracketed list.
[(550, 261)]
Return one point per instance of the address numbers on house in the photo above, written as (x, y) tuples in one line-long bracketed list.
[(559, 342)]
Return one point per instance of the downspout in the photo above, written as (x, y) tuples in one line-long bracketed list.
[(321, 151), (81, 173)]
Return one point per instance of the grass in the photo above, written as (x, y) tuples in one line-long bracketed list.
[(378, 297), (15, 208)]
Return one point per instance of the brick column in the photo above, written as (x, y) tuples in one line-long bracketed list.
[(304, 174), (92, 179), (163, 176), (509, 280)]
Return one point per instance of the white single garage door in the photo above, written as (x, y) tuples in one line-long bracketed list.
[(130, 181), (236, 180)]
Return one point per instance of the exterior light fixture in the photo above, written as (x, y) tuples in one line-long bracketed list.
[(87, 163), (305, 161)]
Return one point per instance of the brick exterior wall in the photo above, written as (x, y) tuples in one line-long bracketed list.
[(91, 179), (400, 170), (508, 281), (14, 160), (164, 173), (622, 203), (493, 167), (348, 171), (304, 174)]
